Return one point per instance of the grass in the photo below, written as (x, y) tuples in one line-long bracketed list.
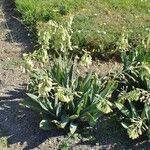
[(97, 23)]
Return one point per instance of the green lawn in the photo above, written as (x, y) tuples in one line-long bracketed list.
[(97, 23)]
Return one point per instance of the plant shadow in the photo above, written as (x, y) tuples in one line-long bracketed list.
[(108, 134), (17, 33), (20, 125)]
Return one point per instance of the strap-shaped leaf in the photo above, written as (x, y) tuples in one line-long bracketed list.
[(64, 121), (33, 97), (111, 86), (43, 105), (147, 112), (58, 109), (123, 109), (90, 108), (133, 109), (73, 117), (46, 125), (86, 82), (83, 102), (31, 104), (91, 119), (73, 127), (124, 125)]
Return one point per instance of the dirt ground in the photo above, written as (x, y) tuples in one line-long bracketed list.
[(18, 126)]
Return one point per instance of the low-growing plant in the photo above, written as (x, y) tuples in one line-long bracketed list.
[(65, 99), (55, 36), (134, 98), (135, 116)]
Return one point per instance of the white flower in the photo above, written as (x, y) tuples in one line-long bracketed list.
[(98, 31), (28, 62), (64, 95), (79, 31), (95, 14), (104, 32), (45, 86), (86, 60)]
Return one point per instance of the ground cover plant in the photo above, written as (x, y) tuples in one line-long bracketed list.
[(133, 100), (65, 99), (97, 25)]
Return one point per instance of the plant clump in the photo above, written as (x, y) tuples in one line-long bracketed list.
[(66, 100)]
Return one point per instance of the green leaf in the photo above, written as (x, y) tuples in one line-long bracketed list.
[(89, 109), (91, 119), (133, 109), (147, 112), (57, 123), (86, 82), (123, 109), (124, 125), (73, 117), (43, 105), (83, 102), (111, 86), (48, 102), (31, 104), (46, 125), (32, 96), (64, 121), (58, 109), (73, 127)]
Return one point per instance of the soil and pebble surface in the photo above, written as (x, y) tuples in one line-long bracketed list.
[(19, 128)]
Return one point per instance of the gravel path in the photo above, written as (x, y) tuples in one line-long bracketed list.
[(18, 126)]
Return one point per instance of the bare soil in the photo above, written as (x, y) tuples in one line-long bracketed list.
[(19, 128)]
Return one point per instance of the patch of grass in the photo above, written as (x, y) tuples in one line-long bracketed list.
[(97, 23)]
